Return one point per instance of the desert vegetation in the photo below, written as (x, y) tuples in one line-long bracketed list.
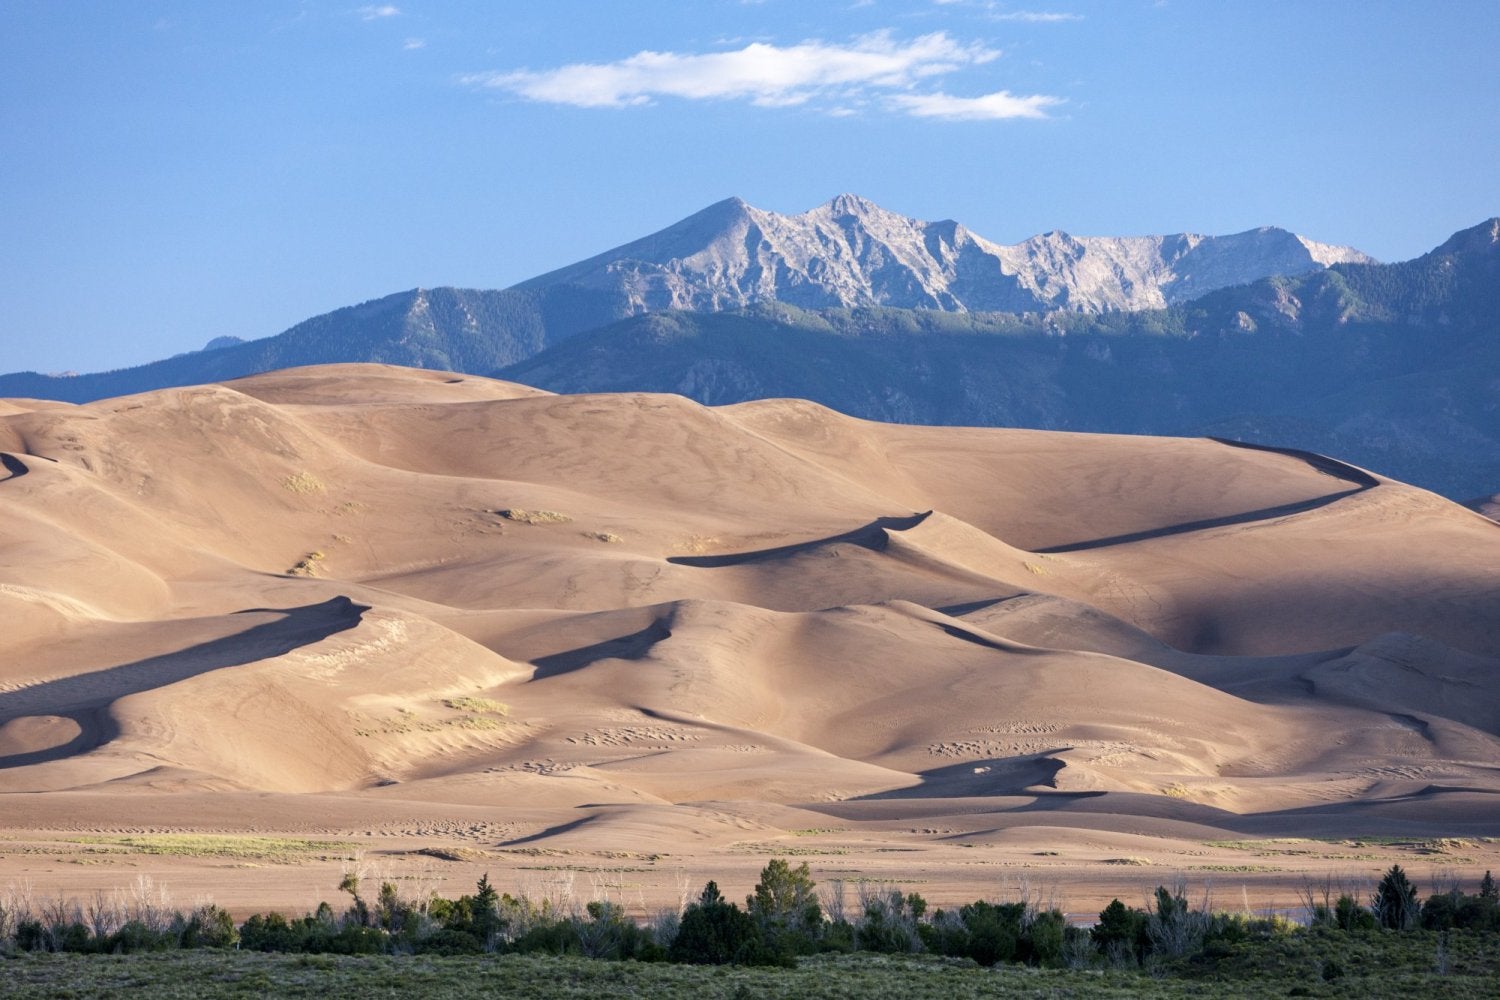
[(868, 939)]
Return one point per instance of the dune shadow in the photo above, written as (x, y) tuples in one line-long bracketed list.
[(14, 466), (968, 608), (870, 536), (551, 831), (623, 647), (1001, 776), (1360, 479), (85, 698)]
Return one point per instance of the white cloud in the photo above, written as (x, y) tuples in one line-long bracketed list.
[(375, 12), (1036, 17), (414, 43), (988, 107), (762, 73)]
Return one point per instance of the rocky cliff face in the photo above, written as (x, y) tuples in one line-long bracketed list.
[(851, 252)]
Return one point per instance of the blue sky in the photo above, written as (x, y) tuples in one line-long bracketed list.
[(175, 171)]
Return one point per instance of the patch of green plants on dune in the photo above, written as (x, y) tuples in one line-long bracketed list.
[(478, 714), (484, 706), (246, 848)]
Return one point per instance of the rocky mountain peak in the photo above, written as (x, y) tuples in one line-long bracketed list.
[(851, 252), (849, 204)]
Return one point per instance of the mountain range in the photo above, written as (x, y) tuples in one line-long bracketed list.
[(1264, 335), (851, 252)]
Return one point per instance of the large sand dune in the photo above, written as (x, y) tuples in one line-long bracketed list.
[(442, 617)]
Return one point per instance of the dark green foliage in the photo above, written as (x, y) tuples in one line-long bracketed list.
[(716, 932), (1395, 901), (32, 936), (273, 932), (1455, 909), (136, 936), (1349, 915), (1120, 935), (994, 931), (207, 927), (450, 942), (837, 936), (889, 923), (74, 938), (485, 909), (268, 932), (1043, 938), (548, 937)]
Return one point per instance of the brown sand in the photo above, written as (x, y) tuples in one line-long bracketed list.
[(975, 661)]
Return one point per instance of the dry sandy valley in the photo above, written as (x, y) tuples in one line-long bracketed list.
[(626, 643)]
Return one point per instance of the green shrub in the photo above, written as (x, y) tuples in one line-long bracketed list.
[(785, 908), (1043, 938), (32, 936), (716, 932), (208, 927), (73, 938), (1120, 935), (1348, 915), (890, 921), (137, 936), (994, 931)]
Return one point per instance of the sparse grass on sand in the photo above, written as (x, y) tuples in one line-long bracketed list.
[(303, 482), (533, 516), (482, 706), (199, 845), (307, 565)]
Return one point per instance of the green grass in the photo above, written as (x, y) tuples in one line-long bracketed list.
[(201, 845), (1368, 967)]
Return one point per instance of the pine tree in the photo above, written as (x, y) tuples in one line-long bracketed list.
[(1395, 902), (486, 910)]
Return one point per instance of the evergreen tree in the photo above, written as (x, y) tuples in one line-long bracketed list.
[(486, 910), (1395, 902)]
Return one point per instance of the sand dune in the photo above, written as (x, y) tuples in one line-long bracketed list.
[(443, 614)]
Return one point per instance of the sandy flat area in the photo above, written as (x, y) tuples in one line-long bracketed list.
[(435, 625)]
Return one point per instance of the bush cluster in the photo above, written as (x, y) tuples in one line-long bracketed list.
[(784, 918)]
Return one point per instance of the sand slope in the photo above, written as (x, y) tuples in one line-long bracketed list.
[(632, 623)]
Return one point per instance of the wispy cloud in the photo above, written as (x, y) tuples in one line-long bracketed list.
[(375, 12), (412, 44), (995, 11), (988, 107), (769, 75), (1036, 16)]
